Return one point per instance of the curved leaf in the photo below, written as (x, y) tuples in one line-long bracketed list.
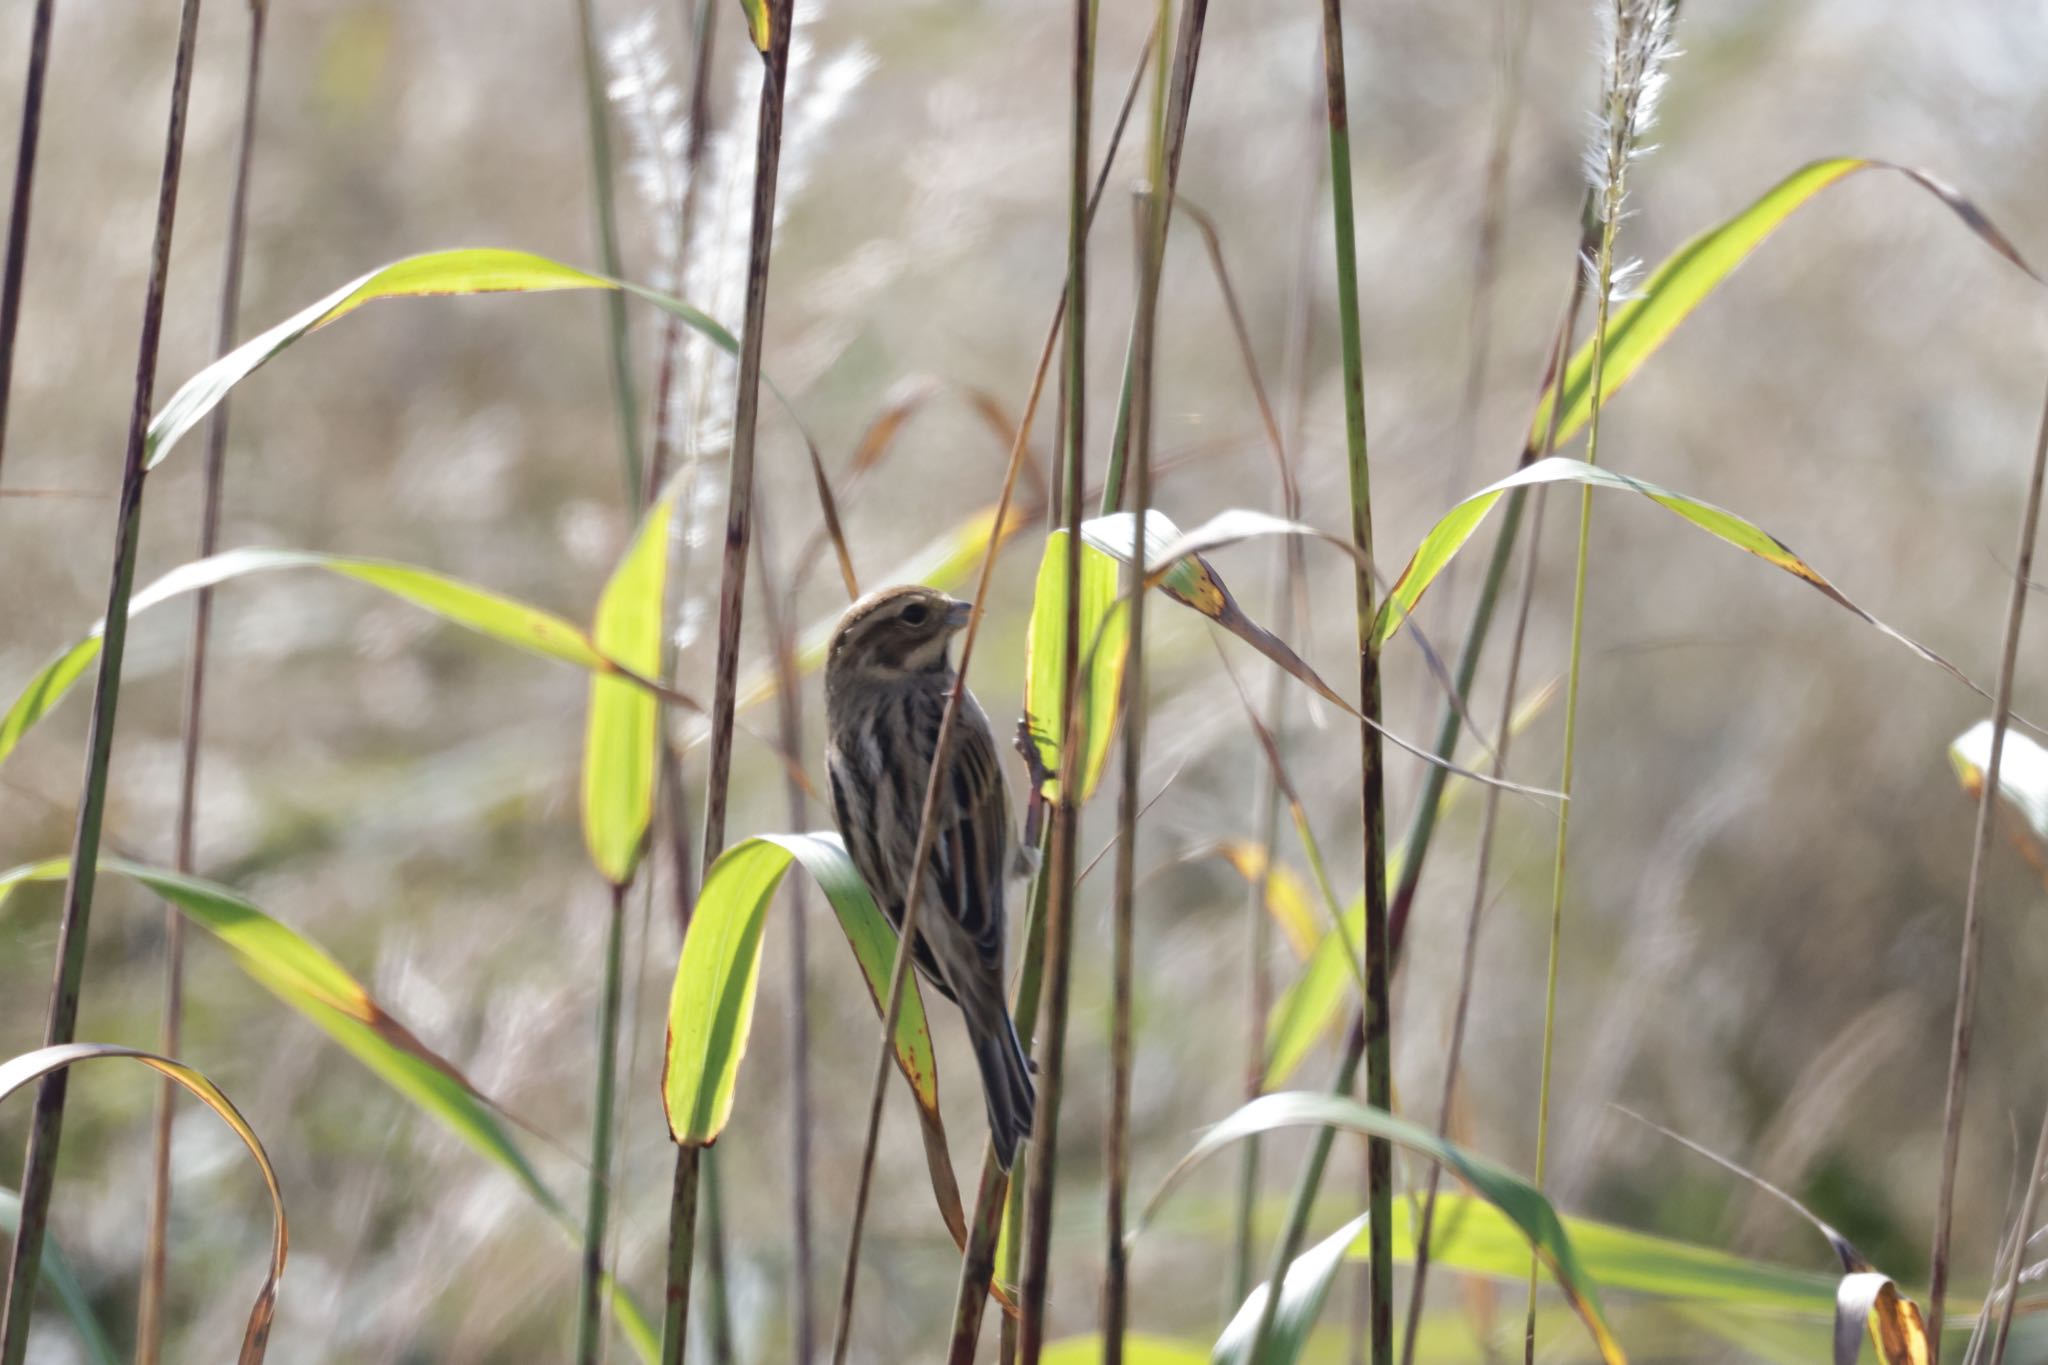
[(1637, 328), (501, 618), (301, 973), (2022, 779), (1302, 1295), (711, 1007), (467, 270), (1105, 639), (1869, 1301), (1451, 532), (621, 736), (1520, 1201), (16, 1072)]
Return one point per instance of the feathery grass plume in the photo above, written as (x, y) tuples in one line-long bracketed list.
[(1635, 46), (709, 266)]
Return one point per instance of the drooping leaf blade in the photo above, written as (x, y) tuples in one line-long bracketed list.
[(2022, 780), (1520, 1201), (622, 731), (1638, 327), (17, 1072), (507, 620), (1455, 527), (1104, 633), (467, 270), (304, 976)]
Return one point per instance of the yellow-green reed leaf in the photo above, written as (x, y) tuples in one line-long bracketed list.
[(943, 564), (1303, 1291), (1472, 1236), (711, 1007), (1520, 1201), (2022, 775), (17, 1072), (759, 22), (1174, 566), (305, 977), (468, 270), (1105, 639), (1287, 896), (1456, 527), (1311, 1007), (62, 1282), (1868, 1300), (504, 619), (1139, 1348), (1637, 328), (622, 732)]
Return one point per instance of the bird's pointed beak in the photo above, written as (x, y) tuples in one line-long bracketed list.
[(958, 615)]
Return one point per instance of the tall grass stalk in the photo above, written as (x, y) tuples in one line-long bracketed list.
[(1973, 928), (1041, 1159), (1560, 351), (1638, 43), (731, 592), (597, 1195), (1373, 1034), (39, 1167), (2020, 1237), (618, 347), (24, 186), (149, 1328)]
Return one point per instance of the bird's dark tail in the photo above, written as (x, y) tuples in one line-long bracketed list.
[(1005, 1079)]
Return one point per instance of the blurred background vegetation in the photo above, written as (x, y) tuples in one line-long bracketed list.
[(1770, 847)]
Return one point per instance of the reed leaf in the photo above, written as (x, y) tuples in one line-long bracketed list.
[(1685, 279), (62, 1282), (16, 1072), (1105, 626), (1302, 1295), (620, 743)]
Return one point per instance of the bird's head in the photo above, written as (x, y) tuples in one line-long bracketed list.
[(895, 634)]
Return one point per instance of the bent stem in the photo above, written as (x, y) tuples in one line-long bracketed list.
[(731, 591), (1966, 985), (149, 1328), (39, 1167)]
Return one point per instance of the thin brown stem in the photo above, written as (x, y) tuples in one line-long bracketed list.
[(1973, 929), (39, 1167), (24, 185), (149, 1314), (2020, 1234), (731, 593)]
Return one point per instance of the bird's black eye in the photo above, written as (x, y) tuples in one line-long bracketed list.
[(916, 614)]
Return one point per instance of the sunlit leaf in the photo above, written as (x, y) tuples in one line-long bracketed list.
[(1637, 328), (470, 270), (1287, 896), (17, 1072), (1302, 1295), (1176, 568), (1104, 636), (62, 1282), (1312, 1006), (2022, 780), (620, 741), (1451, 532), (1520, 1201), (758, 22), (302, 974), (490, 614), (1138, 1349)]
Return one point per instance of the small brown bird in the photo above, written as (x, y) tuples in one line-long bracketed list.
[(887, 676)]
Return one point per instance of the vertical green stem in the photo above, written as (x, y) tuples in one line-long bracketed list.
[(1372, 1033), (625, 402), (597, 1205), (39, 1167)]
